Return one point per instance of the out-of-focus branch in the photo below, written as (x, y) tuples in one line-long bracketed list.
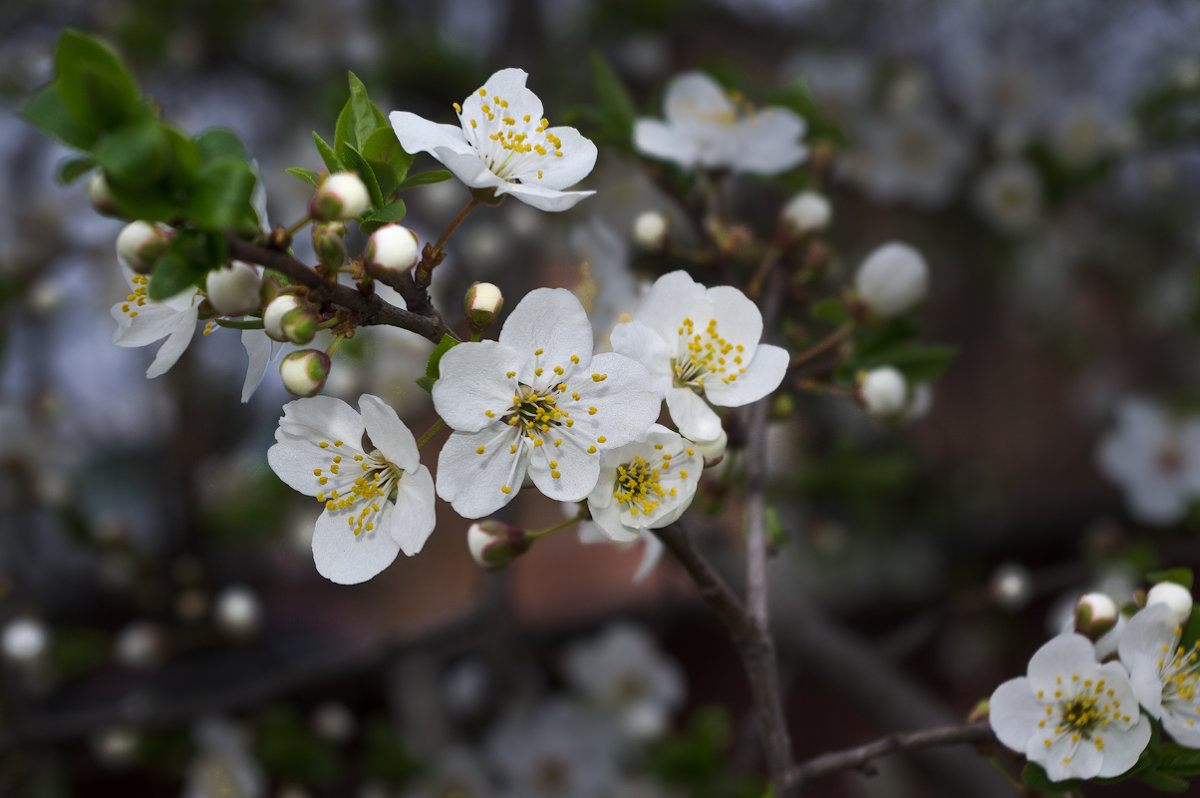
[(860, 758), (421, 317)]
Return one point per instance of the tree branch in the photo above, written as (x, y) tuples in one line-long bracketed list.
[(421, 317), (859, 758)]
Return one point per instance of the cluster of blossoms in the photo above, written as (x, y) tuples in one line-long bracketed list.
[(1083, 710)]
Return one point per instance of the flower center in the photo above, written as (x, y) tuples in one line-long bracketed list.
[(1092, 707), (536, 411), (637, 486), (505, 142), (705, 353), (138, 298), (1180, 673), (367, 480)]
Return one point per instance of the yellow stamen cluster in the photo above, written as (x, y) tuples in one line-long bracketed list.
[(362, 488), (1179, 675), (138, 298), (706, 353), (1083, 715), (637, 486), (509, 139)]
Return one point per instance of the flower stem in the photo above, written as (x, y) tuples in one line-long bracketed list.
[(825, 343), (454, 223), (240, 324), (298, 226), (429, 433), (561, 525), (333, 347)]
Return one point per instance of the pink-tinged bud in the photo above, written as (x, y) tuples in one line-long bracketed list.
[(101, 196), (892, 279), (883, 392), (304, 372), (234, 289), (299, 325), (391, 251), (329, 243), (1095, 615), (494, 544), (482, 305), (342, 196), (273, 315), (1177, 597), (807, 212), (650, 230), (140, 244)]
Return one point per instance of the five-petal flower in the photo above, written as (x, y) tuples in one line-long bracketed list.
[(378, 498), (141, 321), (504, 143), (1164, 675)]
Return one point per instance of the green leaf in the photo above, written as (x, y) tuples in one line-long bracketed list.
[(72, 169), (135, 155), (918, 362), (219, 143), (355, 159), (332, 162), (392, 212), (1163, 782), (1180, 576), (618, 107), (1033, 775), (830, 309), (1176, 760), (307, 175), (94, 84), (188, 258), (45, 111), (358, 120), (425, 179), (220, 196), (432, 373), (185, 160), (387, 159)]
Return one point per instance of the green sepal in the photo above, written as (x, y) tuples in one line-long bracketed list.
[(424, 179), (389, 214), (307, 175), (188, 259), (93, 83), (332, 163), (432, 371)]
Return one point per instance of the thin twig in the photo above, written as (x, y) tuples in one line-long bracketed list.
[(825, 343), (859, 758)]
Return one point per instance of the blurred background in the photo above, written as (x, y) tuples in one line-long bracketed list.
[(164, 631)]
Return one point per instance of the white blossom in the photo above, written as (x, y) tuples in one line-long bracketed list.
[(1070, 714), (377, 502), (701, 344), (535, 403), (710, 128), (1164, 675), (141, 321), (1009, 196), (504, 143), (892, 279), (884, 392)]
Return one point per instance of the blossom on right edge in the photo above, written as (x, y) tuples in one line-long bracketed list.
[(1075, 717), (700, 344), (707, 127), (1164, 675)]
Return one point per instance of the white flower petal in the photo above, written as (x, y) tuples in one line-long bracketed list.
[(672, 297), (388, 433), (474, 382), (544, 199), (660, 140), (1014, 713), (553, 321), (415, 516), (305, 424), (651, 554), (473, 483), (260, 351), (638, 341), (625, 404), (577, 470), (1122, 750), (692, 415), (346, 558), (763, 375), (175, 345), (1059, 658)]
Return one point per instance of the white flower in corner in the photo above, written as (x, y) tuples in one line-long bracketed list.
[(700, 344), (1164, 675), (707, 127), (504, 143), (535, 402), (646, 484), (1155, 459), (1076, 718), (142, 320), (378, 498)]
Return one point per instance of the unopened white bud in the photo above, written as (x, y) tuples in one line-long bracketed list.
[(1177, 597), (235, 289), (650, 230), (273, 315), (139, 645), (892, 279), (238, 612), (391, 251), (482, 305), (884, 392), (1011, 586), (304, 372), (24, 640), (712, 451), (494, 544), (342, 196), (101, 196), (807, 212), (140, 244), (1095, 615)]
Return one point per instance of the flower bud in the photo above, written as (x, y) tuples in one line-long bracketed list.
[(304, 372), (1011, 586), (329, 243), (273, 315), (650, 230), (299, 325), (100, 195), (1095, 615), (892, 279), (24, 640), (806, 212), (238, 612), (342, 196), (235, 289), (883, 391), (391, 251), (140, 244), (712, 451), (139, 645), (482, 305), (1177, 597), (494, 544)]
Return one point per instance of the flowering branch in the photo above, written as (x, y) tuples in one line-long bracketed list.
[(860, 758)]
